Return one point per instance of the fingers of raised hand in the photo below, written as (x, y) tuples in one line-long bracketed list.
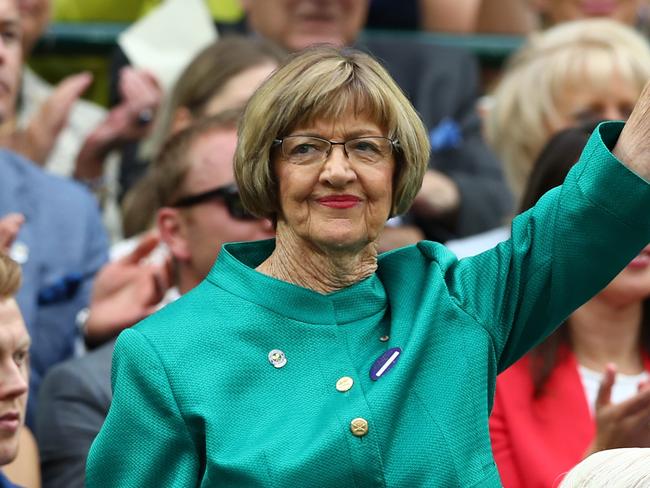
[(605, 391), (139, 88), (639, 404), (71, 88)]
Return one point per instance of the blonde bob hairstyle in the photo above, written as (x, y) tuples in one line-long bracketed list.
[(579, 55), (326, 83), (10, 277)]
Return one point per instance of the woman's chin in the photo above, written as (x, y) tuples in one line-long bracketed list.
[(342, 242)]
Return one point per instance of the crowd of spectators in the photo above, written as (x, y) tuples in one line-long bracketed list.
[(113, 212)]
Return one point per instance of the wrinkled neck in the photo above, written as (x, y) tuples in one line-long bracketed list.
[(323, 270)]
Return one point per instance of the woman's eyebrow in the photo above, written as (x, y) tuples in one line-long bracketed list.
[(361, 132)]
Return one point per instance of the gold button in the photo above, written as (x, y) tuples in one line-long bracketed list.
[(344, 384), (359, 427), (384, 338)]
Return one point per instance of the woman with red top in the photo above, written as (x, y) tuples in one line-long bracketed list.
[(576, 393)]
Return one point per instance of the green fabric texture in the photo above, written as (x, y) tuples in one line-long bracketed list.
[(197, 402)]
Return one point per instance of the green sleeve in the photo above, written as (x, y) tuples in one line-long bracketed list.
[(561, 253), (144, 441)]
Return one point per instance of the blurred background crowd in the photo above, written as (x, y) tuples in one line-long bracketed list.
[(117, 189)]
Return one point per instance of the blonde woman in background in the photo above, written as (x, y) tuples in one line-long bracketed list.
[(570, 74), (577, 71)]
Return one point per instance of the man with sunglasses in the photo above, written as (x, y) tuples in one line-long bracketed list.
[(199, 210)]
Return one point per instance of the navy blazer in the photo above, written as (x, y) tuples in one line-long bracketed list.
[(60, 247)]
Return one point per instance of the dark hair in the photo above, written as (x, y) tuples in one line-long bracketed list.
[(551, 167)]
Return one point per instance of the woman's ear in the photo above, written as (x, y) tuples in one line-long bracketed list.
[(181, 119), (174, 233)]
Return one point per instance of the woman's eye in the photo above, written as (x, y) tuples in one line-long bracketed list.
[(304, 149), (365, 146)]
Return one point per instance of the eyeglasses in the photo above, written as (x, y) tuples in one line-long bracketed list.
[(229, 194), (303, 150)]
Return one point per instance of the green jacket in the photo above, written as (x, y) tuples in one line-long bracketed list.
[(198, 403)]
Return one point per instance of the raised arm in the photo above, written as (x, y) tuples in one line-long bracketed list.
[(562, 252)]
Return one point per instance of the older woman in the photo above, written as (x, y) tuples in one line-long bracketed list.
[(310, 361)]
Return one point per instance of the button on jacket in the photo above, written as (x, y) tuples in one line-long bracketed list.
[(197, 402)]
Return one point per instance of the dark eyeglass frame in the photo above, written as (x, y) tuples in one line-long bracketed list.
[(394, 143), (228, 193)]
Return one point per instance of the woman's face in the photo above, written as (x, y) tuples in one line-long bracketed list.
[(557, 11), (339, 204), (632, 284), (583, 103)]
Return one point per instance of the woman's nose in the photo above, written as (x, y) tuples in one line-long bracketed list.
[(337, 169)]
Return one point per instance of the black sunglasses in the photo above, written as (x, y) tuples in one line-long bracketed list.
[(228, 193)]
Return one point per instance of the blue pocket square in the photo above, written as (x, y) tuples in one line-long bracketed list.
[(63, 289)]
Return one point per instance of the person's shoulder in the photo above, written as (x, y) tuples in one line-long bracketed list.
[(51, 187), (188, 313), (84, 369), (416, 257), (16, 163), (5, 483)]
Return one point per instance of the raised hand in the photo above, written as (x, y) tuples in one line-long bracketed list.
[(37, 140), (633, 145), (626, 424), (129, 121), (126, 291)]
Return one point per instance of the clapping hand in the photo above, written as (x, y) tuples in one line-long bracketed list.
[(626, 424), (126, 291), (127, 122), (38, 139)]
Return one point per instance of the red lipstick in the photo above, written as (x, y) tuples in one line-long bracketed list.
[(339, 201)]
